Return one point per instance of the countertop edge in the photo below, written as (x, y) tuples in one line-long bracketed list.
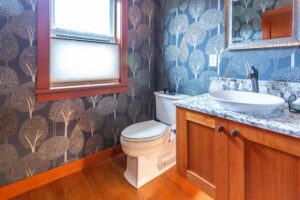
[(279, 130)]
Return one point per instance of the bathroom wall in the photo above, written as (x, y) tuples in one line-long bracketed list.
[(36, 137), (191, 30)]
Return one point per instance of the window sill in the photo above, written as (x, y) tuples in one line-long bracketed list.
[(52, 94)]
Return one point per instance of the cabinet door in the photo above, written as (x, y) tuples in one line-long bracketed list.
[(201, 152), (263, 165)]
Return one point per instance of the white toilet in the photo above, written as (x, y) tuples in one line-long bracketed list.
[(151, 146)]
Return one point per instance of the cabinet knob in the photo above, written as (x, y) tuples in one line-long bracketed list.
[(220, 128), (234, 133)]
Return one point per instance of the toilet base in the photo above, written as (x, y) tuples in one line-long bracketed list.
[(141, 170)]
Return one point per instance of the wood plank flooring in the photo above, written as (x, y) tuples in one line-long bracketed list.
[(105, 181)]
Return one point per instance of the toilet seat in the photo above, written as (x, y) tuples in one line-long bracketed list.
[(144, 131)]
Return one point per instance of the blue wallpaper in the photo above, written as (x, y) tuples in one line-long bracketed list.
[(191, 30)]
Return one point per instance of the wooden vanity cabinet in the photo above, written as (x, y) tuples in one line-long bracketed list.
[(229, 160), (202, 151), (263, 165)]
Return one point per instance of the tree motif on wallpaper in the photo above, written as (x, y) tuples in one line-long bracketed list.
[(177, 76), (134, 42), (27, 166), (134, 89), (148, 54), (9, 80), (53, 148), (134, 62), (66, 111), (195, 35), (246, 32), (76, 141), (24, 26), (262, 5), (33, 132), (94, 100), (178, 25), (248, 15), (215, 45), (32, 3), (134, 110), (9, 47), (8, 157), (93, 145), (107, 105), (196, 8), (144, 32), (197, 62), (211, 19), (135, 16), (23, 99), (28, 62), (122, 103), (91, 120), (148, 7), (246, 3), (113, 129)]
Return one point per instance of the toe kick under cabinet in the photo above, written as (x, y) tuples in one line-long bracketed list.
[(232, 161)]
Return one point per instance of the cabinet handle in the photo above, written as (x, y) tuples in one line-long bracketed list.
[(234, 133), (220, 128)]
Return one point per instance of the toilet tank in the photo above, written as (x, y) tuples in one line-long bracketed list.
[(165, 108)]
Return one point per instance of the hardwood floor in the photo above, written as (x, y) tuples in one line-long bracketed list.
[(105, 180)]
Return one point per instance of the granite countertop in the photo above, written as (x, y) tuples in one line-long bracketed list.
[(281, 120)]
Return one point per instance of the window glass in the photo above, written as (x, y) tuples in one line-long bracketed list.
[(83, 17)]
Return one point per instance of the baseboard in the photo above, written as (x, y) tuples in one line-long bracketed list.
[(20, 187)]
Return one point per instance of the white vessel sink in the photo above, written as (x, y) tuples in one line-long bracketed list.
[(246, 102)]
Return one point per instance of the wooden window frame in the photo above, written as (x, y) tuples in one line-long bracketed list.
[(44, 92)]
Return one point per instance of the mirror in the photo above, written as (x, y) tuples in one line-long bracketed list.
[(252, 24)]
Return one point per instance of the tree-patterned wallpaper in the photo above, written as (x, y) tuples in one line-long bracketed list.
[(189, 31), (37, 137)]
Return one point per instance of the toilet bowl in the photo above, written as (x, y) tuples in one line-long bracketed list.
[(151, 146)]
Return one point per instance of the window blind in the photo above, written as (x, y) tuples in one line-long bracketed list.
[(80, 62)]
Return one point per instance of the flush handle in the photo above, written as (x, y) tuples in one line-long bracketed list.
[(220, 128), (234, 133)]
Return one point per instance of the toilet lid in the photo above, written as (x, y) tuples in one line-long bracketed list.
[(145, 131)]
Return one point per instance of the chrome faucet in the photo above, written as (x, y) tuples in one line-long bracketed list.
[(253, 75)]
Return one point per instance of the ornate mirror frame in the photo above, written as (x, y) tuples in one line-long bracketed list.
[(272, 43)]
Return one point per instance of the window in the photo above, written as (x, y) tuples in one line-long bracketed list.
[(82, 48), (87, 20)]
